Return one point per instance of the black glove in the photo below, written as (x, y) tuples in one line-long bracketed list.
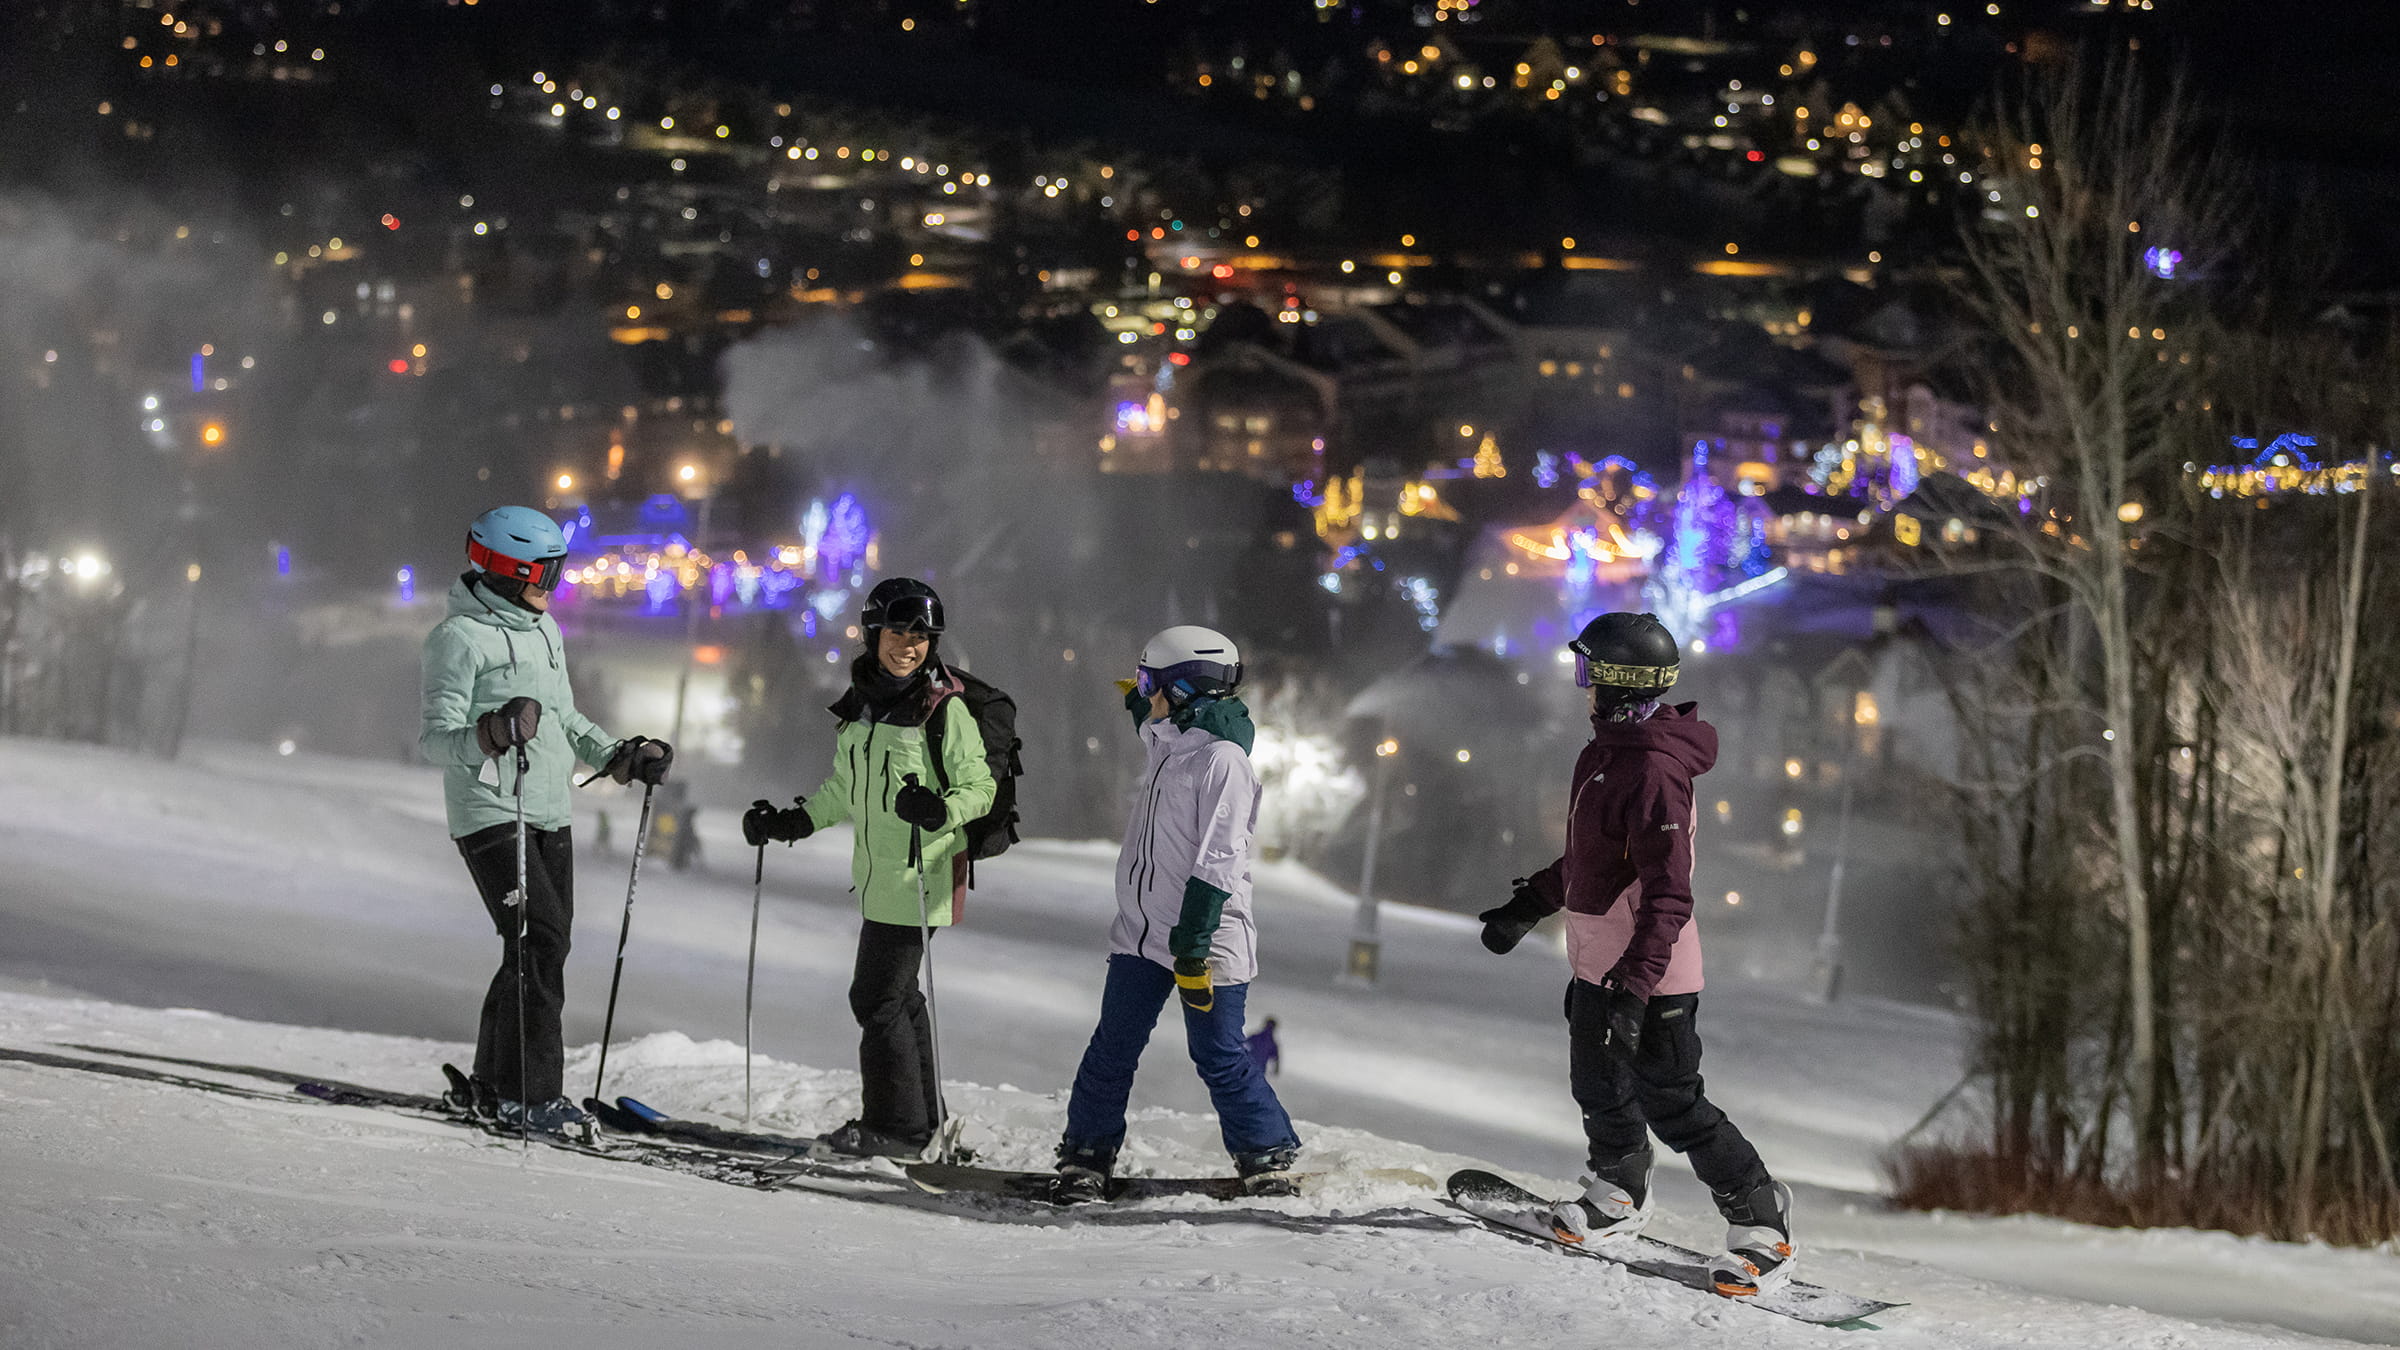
[(1192, 983), (510, 725), (640, 757), (1506, 926), (764, 823), (1624, 1013), (920, 806), (1137, 703)]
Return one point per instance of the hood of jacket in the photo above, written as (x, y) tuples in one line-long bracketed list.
[(1673, 730), (1224, 718), (932, 683), (470, 601)]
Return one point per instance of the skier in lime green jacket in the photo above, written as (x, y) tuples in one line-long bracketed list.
[(495, 684), (887, 782)]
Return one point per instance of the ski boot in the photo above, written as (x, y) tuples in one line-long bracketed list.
[(557, 1117), (1270, 1172), (1758, 1253), (1615, 1204), (469, 1096), (857, 1139)]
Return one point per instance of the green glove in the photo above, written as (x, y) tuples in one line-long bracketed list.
[(1195, 930), (1136, 702), (1193, 985)]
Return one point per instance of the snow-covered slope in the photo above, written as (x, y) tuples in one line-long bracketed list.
[(321, 894), (144, 1215)]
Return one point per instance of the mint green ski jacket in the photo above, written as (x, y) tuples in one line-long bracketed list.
[(485, 653)]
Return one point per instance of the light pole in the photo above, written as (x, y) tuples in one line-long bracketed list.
[(694, 602), (1366, 945), (1826, 976)]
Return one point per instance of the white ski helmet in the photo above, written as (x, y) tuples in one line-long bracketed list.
[(1187, 662)]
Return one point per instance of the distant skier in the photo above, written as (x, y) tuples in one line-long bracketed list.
[(495, 678), (1625, 882), (1183, 921), (898, 686), (1264, 1052)]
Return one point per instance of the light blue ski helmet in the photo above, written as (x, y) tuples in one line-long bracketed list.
[(520, 544)]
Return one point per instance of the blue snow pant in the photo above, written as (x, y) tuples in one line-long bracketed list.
[(1253, 1120)]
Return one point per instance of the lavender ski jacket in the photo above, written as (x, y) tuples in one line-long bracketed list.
[(1195, 817)]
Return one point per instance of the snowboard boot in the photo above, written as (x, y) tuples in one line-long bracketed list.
[(1615, 1203), (857, 1139), (1270, 1172), (1077, 1185), (1758, 1240), (1084, 1175)]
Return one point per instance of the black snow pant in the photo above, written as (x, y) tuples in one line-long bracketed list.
[(1659, 1090), (549, 919), (903, 1095)]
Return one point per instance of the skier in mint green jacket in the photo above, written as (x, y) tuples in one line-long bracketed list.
[(496, 681), (909, 761)]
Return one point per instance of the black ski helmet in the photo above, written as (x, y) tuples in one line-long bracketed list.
[(1627, 658), (905, 604)]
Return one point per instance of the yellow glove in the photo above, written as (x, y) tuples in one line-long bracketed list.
[(1193, 984)]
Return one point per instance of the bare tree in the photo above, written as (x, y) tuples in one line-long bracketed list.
[(2102, 362)]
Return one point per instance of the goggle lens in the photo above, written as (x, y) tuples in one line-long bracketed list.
[(1145, 681)]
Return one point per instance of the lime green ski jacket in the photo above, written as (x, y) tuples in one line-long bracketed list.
[(871, 762)]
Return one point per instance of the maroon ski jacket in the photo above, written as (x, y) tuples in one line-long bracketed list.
[(1626, 877)]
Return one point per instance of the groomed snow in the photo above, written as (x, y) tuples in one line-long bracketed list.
[(309, 895)]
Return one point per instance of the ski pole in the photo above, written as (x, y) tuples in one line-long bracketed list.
[(522, 899), (758, 887), (933, 1011), (641, 837)]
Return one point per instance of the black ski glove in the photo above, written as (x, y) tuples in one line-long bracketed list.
[(1623, 1037), (1505, 926), (920, 806), (764, 823), (508, 726), (1192, 983), (642, 758)]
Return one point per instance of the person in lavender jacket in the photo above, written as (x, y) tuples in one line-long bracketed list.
[(1625, 882), (1183, 923)]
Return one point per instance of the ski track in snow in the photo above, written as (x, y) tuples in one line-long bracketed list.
[(144, 1215)]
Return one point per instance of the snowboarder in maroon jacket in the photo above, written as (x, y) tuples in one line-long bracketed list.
[(1625, 882)]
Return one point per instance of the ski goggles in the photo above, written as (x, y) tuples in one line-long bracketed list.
[(1647, 679), (1147, 681), (906, 614), (542, 574)]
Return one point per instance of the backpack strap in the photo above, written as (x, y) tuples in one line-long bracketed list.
[(933, 739)]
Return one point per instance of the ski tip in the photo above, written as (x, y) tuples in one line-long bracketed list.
[(646, 1112)]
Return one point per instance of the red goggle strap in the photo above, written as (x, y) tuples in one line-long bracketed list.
[(539, 575)]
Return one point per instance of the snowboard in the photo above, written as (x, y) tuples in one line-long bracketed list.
[(950, 1178), (1504, 1206)]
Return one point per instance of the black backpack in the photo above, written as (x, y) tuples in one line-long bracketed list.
[(995, 713)]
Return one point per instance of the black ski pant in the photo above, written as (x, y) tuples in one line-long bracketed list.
[(549, 918), (1657, 1090), (902, 1094)]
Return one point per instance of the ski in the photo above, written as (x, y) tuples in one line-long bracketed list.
[(714, 1165), (627, 1115), (1504, 1207), (1033, 1187)]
